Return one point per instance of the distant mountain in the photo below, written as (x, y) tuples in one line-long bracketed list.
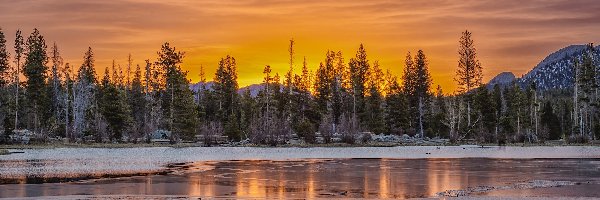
[(502, 79), (553, 72), (196, 86), (254, 88)]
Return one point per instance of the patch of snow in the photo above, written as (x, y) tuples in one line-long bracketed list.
[(77, 161)]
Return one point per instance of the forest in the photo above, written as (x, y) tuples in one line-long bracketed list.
[(347, 97)]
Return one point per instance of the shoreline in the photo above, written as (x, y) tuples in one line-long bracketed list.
[(50, 162), (332, 145), (98, 166)]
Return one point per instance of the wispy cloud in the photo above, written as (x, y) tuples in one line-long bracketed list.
[(510, 35)]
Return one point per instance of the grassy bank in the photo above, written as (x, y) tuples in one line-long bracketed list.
[(302, 145), (4, 152), (94, 145)]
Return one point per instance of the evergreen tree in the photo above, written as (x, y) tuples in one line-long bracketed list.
[(550, 123), (374, 101), (137, 103), (67, 99), (19, 52), (499, 105), (485, 120), (248, 111), (359, 73), (84, 97), (338, 92), (225, 88), (417, 85), (4, 98), (114, 108), (585, 95), (179, 103), (152, 87), (289, 86), (4, 61), (408, 88), (518, 112), (396, 107), (35, 71), (439, 111), (306, 116), (323, 83), (56, 91), (469, 72)]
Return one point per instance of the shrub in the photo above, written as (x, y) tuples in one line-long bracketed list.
[(578, 138), (366, 137), (306, 130)]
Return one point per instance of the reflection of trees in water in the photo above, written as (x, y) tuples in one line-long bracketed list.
[(310, 179)]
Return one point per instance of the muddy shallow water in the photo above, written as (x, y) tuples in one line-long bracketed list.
[(169, 173)]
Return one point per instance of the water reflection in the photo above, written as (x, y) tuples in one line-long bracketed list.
[(310, 179)]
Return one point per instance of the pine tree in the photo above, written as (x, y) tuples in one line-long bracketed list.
[(128, 72), (374, 100), (67, 99), (84, 97), (225, 88), (338, 92), (19, 52), (439, 112), (289, 88), (359, 73), (324, 80), (56, 89), (550, 123), (137, 103), (485, 120), (499, 105), (114, 108), (417, 85), (266, 101), (152, 86), (396, 106), (469, 72), (518, 112), (179, 102), (408, 88), (4, 61), (4, 98), (409, 76), (248, 111), (35, 71)]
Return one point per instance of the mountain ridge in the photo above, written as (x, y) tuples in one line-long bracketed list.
[(555, 71)]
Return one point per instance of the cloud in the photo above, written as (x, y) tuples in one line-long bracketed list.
[(509, 35)]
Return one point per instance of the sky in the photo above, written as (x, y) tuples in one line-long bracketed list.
[(510, 35)]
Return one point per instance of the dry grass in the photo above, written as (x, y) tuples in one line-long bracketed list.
[(96, 145), (4, 152)]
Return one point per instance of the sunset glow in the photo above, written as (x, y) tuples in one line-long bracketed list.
[(509, 35)]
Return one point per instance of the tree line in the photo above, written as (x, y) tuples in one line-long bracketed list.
[(343, 99)]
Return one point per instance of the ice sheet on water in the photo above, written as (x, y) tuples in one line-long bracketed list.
[(61, 162)]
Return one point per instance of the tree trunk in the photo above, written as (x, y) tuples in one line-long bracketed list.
[(421, 133)]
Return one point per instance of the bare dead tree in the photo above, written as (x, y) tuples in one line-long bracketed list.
[(211, 133)]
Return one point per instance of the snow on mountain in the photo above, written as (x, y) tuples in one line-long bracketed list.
[(254, 88), (553, 72)]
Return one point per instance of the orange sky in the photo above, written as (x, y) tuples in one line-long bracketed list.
[(509, 35)]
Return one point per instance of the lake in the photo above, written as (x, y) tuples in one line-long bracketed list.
[(305, 173)]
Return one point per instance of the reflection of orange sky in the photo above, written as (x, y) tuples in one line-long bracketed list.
[(384, 180), (249, 183), (509, 35)]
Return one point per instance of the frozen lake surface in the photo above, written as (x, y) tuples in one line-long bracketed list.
[(359, 172)]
